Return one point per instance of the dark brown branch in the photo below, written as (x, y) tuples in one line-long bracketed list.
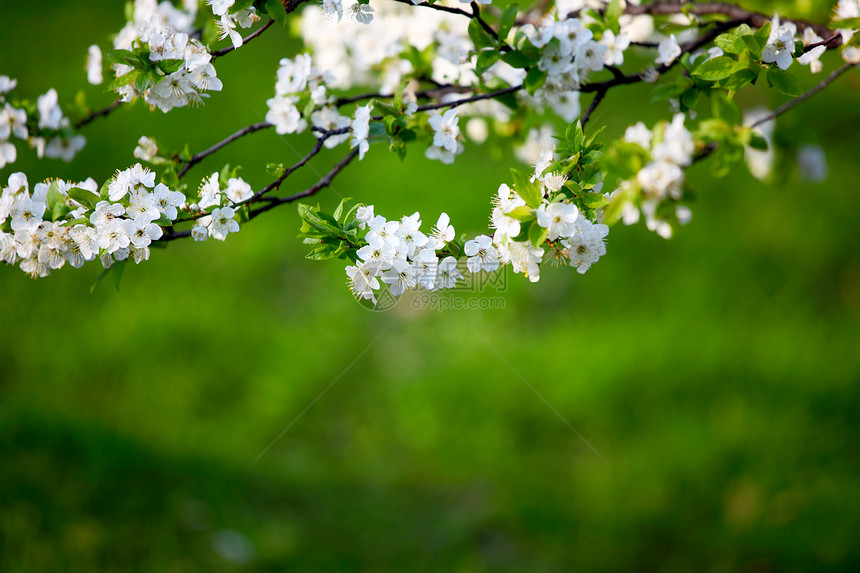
[(753, 19), (216, 54), (598, 97), (476, 14), (246, 39), (799, 100), (824, 42), (438, 7), (274, 185), (104, 112), (312, 190), (224, 142), (618, 80), (479, 97)]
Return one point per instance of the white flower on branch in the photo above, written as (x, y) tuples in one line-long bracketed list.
[(668, 51), (94, 65), (780, 44), (361, 130)]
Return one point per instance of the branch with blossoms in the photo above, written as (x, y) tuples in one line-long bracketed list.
[(401, 75)]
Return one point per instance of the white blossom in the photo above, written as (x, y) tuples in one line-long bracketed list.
[(482, 254), (668, 50), (94, 65), (558, 219)]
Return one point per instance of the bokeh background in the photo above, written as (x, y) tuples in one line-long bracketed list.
[(716, 373)]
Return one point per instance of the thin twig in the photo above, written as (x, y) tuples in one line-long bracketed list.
[(312, 190), (245, 40), (274, 185), (754, 19), (799, 100), (224, 142), (479, 97), (104, 112), (598, 97)]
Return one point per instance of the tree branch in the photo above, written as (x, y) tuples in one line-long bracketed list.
[(312, 190), (246, 39), (223, 143), (104, 112), (754, 19), (799, 100)]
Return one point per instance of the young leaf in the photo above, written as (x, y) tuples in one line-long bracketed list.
[(84, 197), (506, 23), (784, 82), (277, 11), (528, 191), (716, 69), (521, 213), (725, 109), (537, 235), (535, 79), (479, 36), (486, 58)]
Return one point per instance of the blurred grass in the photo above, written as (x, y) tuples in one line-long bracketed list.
[(717, 373)]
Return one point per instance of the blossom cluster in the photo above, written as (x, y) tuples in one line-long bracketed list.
[(569, 54), (668, 149), (400, 255), (49, 131), (163, 35), (568, 234), (222, 200), (301, 83), (63, 221)]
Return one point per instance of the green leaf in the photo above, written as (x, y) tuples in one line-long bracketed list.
[(517, 59), (784, 82), (762, 34), (170, 66), (757, 142), (613, 13), (506, 23), (535, 79), (277, 11), (739, 79), (723, 108), (594, 200), (479, 36), (715, 69), (122, 57), (730, 43), (848, 23), (743, 30), (84, 197), (338, 212), (124, 80), (141, 82), (524, 231), (319, 221), (752, 46), (527, 190), (78, 221), (486, 58), (574, 135), (522, 213), (537, 235), (323, 252), (54, 197), (670, 90)]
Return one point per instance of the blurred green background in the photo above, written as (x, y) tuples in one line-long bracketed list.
[(716, 373)]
